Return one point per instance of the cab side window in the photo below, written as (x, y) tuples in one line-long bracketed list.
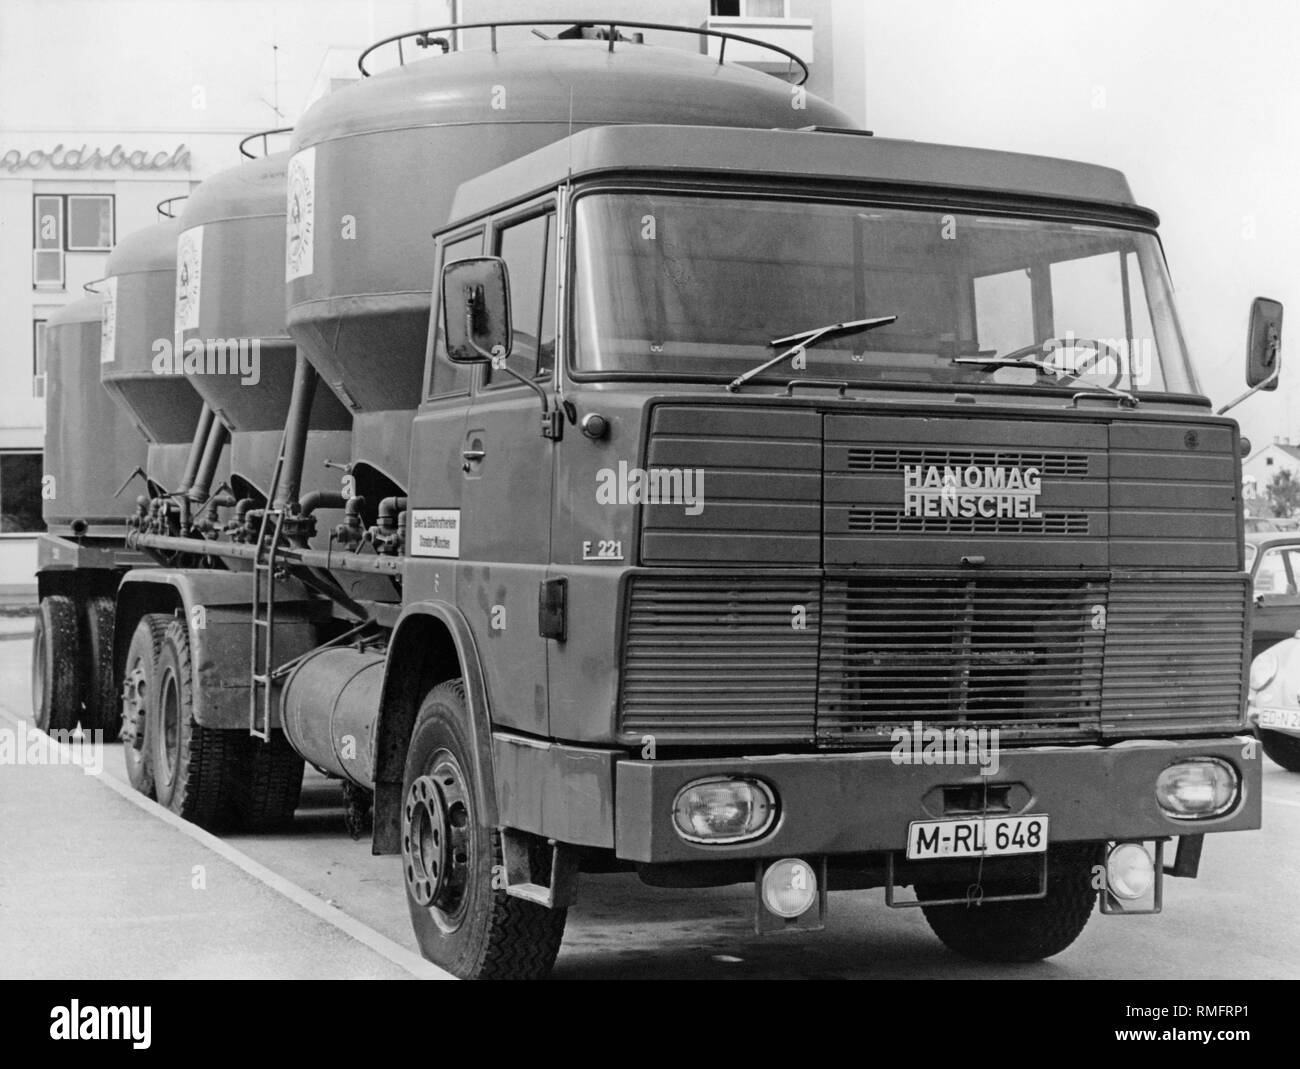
[(528, 250), (448, 378)]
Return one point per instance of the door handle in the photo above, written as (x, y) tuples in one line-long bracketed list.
[(472, 457)]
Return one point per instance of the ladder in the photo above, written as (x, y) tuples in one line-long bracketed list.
[(270, 531)]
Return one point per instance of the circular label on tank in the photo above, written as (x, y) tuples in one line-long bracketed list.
[(189, 275), (299, 214), (108, 327)]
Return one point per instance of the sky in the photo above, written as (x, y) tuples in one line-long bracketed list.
[(1197, 102)]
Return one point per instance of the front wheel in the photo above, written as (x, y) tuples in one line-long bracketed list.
[(1027, 930), (1284, 749), (451, 860)]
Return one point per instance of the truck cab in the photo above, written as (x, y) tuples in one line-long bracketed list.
[(833, 511)]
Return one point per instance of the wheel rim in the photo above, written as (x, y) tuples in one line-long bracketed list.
[(437, 826), (169, 705)]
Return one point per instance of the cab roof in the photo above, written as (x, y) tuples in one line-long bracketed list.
[(811, 154)]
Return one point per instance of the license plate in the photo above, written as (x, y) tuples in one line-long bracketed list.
[(1288, 719), (976, 837)]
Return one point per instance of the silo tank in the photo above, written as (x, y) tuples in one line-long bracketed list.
[(375, 167), (91, 443), (139, 296), (230, 324)]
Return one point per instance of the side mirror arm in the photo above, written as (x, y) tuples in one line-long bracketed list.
[(1266, 384)]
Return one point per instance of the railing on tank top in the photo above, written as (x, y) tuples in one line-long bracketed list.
[(604, 30)]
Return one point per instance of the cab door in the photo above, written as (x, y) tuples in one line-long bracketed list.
[(437, 483), (508, 475)]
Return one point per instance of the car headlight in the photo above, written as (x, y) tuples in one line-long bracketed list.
[(1262, 670)]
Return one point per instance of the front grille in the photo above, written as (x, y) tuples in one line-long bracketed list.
[(845, 660), (1021, 655), (722, 659), (886, 459), (892, 521)]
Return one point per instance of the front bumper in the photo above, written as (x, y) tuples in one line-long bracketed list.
[(863, 802)]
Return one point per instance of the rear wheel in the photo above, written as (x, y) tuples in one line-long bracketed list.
[(139, 687), (1028, 930), (56, 663), (100, 699), (462, 919), (271, 783), (1284, 749), (196, 770)]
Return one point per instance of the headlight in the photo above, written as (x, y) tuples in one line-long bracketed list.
[(1199, 788), (1262, 670), (723, 810), (1130, 871), (790, 887)]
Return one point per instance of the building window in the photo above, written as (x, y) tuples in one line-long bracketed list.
[(1268, 462), (63, 223), (90, 223), (47, 255), (750, 9), (38, 358), (20, 493)]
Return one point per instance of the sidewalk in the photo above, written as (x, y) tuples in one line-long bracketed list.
[(96, 882)]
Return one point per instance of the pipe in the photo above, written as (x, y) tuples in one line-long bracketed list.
[(201, 432), (330, 560), (322, 499), (295, 433), (217, 438), (390, 508)]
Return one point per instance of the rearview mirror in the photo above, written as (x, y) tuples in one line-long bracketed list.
[(476, 310), (1264, 344)]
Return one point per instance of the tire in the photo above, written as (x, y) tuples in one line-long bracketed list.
[(1024, 931), (56, 664), (139, 686), (1283, 749), (449, 857), (101, 701), (271, 783), (196, 770)]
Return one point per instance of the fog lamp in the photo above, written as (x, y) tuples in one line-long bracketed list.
[(1202, 787), (723, 810), (789, 887), (1130, 872)]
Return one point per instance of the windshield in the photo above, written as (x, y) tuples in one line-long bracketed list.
[(697, 286)]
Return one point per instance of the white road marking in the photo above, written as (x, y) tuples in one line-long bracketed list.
[(300, 896)]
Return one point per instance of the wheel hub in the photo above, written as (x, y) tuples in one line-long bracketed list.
[(133, 708), (436, 840)]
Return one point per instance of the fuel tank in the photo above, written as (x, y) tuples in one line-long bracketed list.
[(328, 711)]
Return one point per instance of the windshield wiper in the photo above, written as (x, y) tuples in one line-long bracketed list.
[(1024, 357), (799, 342)]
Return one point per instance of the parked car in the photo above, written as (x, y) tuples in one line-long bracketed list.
[(1274, 704), (1261, 525), (1273, 560)]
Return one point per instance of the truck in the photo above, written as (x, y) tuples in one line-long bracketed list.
[(749, 500)]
